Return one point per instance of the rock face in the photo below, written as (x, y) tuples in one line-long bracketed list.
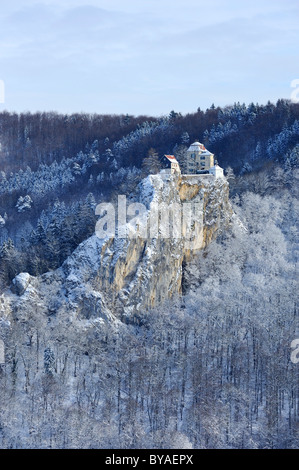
[(117, 277)]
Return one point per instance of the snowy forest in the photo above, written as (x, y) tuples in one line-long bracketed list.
[(210, 369)]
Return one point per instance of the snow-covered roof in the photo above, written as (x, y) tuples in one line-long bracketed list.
[(217, 171), (171, 158), (198, 147), (217, 167)]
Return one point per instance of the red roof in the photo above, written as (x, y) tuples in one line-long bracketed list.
[(171, 158)]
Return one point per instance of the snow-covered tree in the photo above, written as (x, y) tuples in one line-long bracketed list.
[(77, 169), (24, 203), (151, 164), (49, 361), (185, 138)]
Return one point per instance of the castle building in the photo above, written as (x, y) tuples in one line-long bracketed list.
[(175, 167), (216, 171), (198, 158), (199, 161)]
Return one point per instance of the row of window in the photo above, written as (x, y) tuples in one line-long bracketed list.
[(193, 156)]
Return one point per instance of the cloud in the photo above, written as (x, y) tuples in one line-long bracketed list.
[(104, 55)]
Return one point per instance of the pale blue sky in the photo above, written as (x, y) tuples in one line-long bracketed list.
[(146, 56)]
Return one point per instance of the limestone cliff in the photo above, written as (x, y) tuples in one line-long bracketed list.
[(116, 277)]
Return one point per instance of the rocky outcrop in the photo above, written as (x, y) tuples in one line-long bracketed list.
[(20, 283), (117, 277)]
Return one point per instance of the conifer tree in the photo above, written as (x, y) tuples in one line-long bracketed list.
[(151, 164)]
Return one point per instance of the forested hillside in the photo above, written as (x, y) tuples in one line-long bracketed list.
[(55, 168), (210, 369)]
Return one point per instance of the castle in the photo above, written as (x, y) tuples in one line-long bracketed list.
[(199, 161), (199, 158)]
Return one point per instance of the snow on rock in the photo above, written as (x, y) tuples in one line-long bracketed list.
[(139, 272), (111, 278), (20, 283)]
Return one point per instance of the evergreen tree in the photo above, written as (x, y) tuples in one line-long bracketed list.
[(49, 361), (151, 164), (185, 139)]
